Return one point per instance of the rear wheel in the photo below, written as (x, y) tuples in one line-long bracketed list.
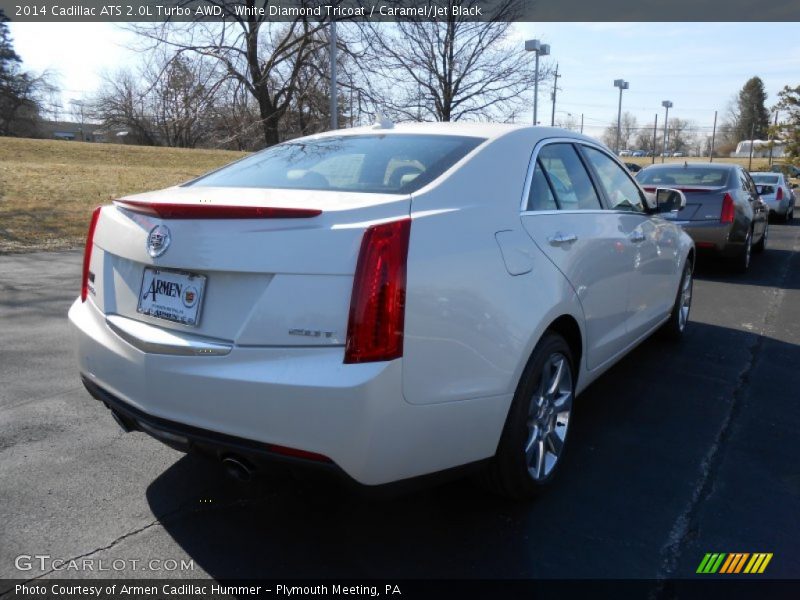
[(790, 214), (762, 243), (742, 262), (535, 434), (679, 318)]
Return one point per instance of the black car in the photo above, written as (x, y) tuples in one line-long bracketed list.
[(723, 214)]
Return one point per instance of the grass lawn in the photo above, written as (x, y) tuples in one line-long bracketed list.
[(48, 188)]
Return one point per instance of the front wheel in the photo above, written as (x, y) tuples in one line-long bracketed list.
[(535, 434)]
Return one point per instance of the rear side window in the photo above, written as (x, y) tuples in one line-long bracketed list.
[(540, 196), (766, 179), (621, 191), (380, 163), (570, 182)]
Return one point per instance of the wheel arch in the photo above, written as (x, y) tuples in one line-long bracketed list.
[(567, 327)]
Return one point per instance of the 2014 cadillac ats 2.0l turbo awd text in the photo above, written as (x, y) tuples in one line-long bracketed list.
[(386, 301)]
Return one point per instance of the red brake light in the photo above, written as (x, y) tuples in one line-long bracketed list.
[(728, 210), (168, 210), (87, 254), (295, 453), (779, 194), (377, 306)]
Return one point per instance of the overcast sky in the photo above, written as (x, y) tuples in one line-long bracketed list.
[(698, 66)]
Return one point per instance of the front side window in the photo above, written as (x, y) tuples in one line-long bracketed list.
[(379, 163), (621, 191), (570, 182)]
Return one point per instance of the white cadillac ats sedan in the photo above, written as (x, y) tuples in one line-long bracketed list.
[(387, 301)]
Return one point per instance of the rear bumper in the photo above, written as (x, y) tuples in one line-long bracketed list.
[(301, 398), (777, 207), (712, 236)]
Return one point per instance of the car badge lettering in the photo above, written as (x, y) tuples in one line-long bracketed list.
[(158, 240)]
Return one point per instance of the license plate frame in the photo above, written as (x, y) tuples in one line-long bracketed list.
[(174, 310)]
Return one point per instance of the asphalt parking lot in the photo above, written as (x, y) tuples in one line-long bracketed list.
[(679, 450)]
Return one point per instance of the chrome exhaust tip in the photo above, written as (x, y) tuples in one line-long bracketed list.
[(237, 468)]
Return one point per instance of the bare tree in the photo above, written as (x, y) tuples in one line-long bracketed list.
[(266, 58), (450, 69), (168, 101), (628, 127), (681, 135)]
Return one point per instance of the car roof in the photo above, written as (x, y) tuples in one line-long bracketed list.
[(470, 129)]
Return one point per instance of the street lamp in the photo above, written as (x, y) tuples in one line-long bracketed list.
[(622, 85), (540, 50), (667, 105)]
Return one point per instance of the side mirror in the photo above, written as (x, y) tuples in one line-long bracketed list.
[(669, 200), (765, 190)]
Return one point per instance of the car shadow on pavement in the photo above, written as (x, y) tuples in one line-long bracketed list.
[(637, 446), (769, 269)]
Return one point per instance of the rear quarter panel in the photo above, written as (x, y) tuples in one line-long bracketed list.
[(470, 325)]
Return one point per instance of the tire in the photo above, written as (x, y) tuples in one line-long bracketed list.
[(675, 327), (762, 243), (742, 262), (790, 214), (538, 421)]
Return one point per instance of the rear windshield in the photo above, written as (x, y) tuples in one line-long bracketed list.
[(683, 176), (764, 179), (380, 163)]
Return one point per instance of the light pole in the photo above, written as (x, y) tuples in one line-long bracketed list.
[(332, 52), (80, 105), (622, 85), (667, 105), (540, 50)]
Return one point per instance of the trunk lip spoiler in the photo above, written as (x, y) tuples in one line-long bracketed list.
[(183, 210)]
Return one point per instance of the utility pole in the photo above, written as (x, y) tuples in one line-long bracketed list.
[(655, 130), (752, 133), (772, 137), (332, 52), (581, 122), (713, 139), (555, 89)]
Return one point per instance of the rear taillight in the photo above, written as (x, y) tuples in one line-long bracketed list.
[(87, 254), (728, 209), (779, 194), (377, 306)]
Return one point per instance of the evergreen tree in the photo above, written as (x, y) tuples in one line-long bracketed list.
[(789, 101), (753, 117)]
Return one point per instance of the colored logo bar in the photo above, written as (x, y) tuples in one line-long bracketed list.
[(734, 562)]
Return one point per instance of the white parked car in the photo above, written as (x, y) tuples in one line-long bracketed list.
[(386, 301), (777, 193)]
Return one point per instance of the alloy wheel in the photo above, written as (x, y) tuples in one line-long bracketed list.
[(748, 249), (548, 417), (685, 301)]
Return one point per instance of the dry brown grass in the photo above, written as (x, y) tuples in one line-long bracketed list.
[(48, 188), (759, 164)]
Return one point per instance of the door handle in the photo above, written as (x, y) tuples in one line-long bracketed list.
[(637, 237), (562, 238)]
